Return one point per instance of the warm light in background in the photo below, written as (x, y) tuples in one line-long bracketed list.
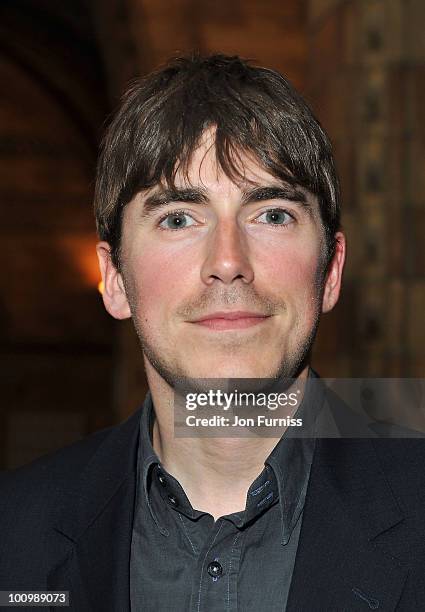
[(80, 251), (100, 286)]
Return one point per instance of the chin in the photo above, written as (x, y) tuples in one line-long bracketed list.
[(239, 370)]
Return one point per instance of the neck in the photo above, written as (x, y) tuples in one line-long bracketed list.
[(215, 473)]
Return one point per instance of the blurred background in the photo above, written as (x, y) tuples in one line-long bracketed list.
[(66, 367)]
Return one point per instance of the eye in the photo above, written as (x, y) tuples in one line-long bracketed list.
[(275, 216), (176, 220)]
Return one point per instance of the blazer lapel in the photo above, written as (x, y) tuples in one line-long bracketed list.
[(343, 560), (94, 526)]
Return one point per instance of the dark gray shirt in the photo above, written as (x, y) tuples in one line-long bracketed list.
[(183, 561)]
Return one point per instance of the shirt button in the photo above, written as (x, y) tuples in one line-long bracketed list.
[(161, 478), (215, 569), (173, 500)]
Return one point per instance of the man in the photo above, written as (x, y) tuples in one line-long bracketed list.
[(218, 212)]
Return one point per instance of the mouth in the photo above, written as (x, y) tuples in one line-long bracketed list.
[(228, 320)]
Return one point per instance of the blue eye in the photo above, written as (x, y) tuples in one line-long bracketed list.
[(275, 216), (176, 220)]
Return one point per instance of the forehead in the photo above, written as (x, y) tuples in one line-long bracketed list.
[(202, 169)]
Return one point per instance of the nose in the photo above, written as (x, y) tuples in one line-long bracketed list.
[(227, 257)]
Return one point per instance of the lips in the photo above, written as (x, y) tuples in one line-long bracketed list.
[(231, 320)]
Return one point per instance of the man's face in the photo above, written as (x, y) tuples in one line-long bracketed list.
[(223, 279)]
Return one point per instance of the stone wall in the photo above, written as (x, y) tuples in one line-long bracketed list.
[(367, 85)]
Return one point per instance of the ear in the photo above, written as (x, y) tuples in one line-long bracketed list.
[(114, 296), (334, 274)]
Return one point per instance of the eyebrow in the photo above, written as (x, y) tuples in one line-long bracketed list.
[(167, 196), (272, 192), (197, 195)]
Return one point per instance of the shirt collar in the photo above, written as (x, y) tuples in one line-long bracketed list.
[(146, 457), (284, 479)]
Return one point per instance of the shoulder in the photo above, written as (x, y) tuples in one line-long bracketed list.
[(34, 497), (397, 452), (403, 461), (50, 469), (29, 499), (33, 492), (29, 495), (45, 480)]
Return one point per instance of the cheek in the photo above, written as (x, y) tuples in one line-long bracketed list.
[(160, 278), (291, 271)]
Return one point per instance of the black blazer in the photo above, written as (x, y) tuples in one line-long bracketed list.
[(66, 524)]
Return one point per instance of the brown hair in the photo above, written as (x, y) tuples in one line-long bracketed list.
[(254, 109)]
